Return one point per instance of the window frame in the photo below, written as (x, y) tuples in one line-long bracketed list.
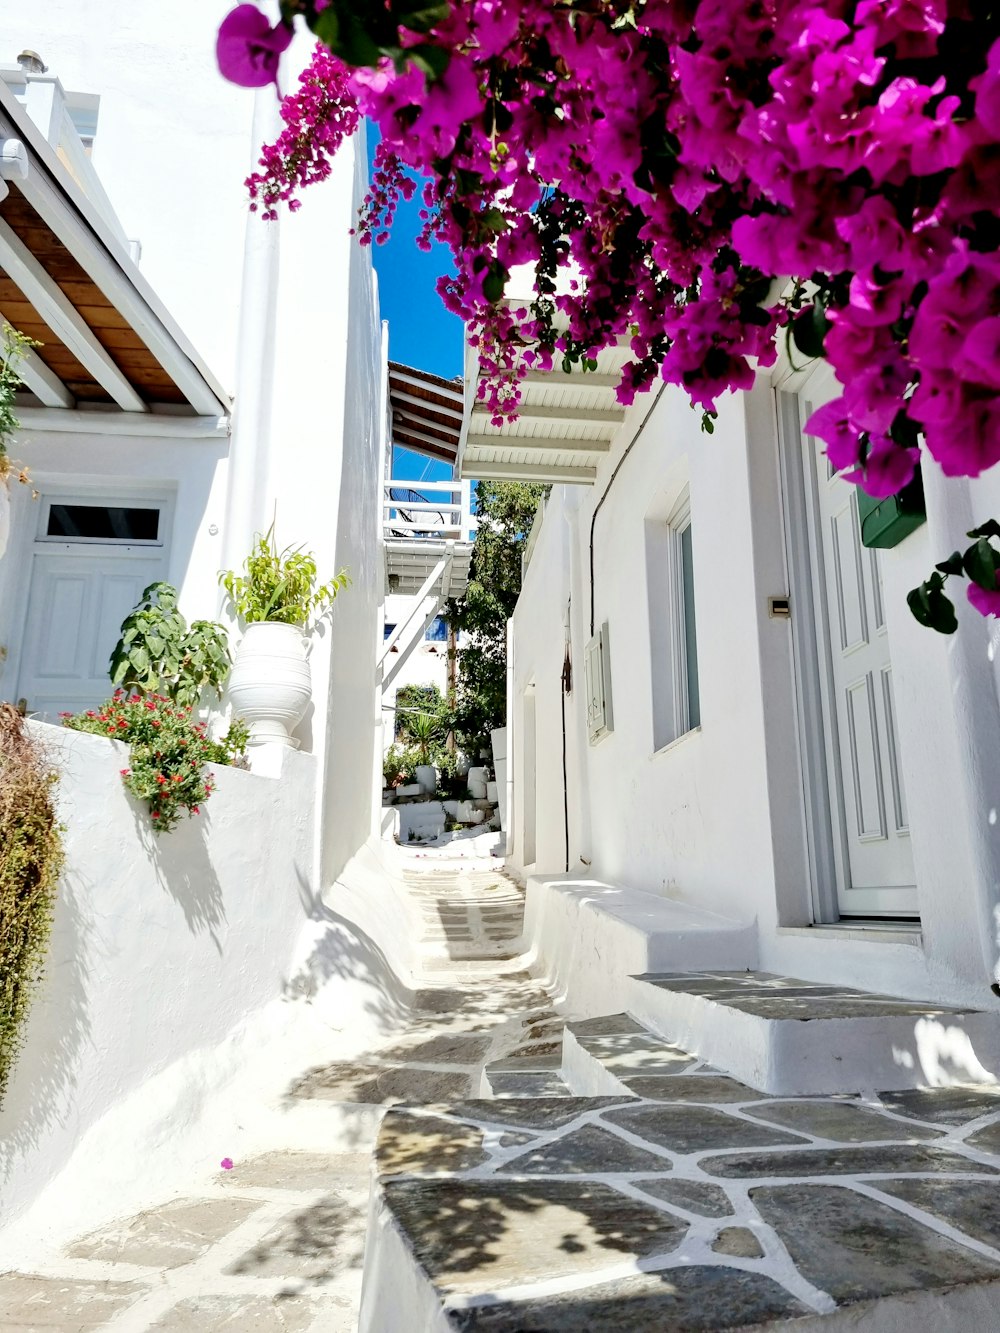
[(673, 625)]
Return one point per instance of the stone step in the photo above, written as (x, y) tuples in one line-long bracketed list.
[(788, 1036), (591, 936), (524, 1076), (609, 1213)]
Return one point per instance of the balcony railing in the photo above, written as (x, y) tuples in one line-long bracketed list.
[(432, 510)]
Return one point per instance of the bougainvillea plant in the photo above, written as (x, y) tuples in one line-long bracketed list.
[(168, 752), (696, 177)]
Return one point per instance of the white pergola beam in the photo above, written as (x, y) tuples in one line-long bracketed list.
[(537, 444), (149, 424), (485, 470), (563, 416), (576, 379), (62, 317), (35, 375)]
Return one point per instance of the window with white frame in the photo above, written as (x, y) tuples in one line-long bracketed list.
[(676, 700), (597, 682)]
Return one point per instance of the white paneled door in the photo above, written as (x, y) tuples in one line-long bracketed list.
[(876, 877), (77, 602)]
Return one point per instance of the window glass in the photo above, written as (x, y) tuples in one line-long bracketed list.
[(389, 627), (103, 523), (437, 631)]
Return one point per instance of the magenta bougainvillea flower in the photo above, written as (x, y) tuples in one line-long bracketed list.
[(249, 49), (986, 602), (688, 180), (226, 1164)]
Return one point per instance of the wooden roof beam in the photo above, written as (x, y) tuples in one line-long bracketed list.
[(62, 317), (35, 375), (115, 284), (451, 409)]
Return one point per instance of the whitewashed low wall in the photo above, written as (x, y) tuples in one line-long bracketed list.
[(586, 939), (178, 966)]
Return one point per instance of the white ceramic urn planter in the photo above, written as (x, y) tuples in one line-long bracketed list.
[(270, 685), (426, 775)]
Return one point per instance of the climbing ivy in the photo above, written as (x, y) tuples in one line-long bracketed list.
[(31, 860)]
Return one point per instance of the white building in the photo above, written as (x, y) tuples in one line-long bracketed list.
[(753, 724), (126, 244)]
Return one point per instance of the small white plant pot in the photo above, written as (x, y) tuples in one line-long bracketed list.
[(426, 775), (271, 685)]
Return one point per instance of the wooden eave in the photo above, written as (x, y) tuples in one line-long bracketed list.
[(426, 411), (67, 283)]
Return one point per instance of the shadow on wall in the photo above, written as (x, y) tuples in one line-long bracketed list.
[(340, 952), (57, 1031), (183, 867)]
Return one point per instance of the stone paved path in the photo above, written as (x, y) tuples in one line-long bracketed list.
[(671, 1198), (276, 1244)]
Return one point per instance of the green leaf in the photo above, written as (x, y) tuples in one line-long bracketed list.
[(953, 565), (991, 528), (355, 45), (139, 658), (433, 60), (419, 15), (326, 26), (809, 330), (980, 564), (932, 608), (495, 282)]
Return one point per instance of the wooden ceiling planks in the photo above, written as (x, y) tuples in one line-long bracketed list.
[(110, 328), (426, 411)]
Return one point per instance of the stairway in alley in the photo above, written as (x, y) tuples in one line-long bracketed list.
[(518, 1170)]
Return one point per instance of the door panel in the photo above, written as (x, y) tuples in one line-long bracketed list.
[(876, 876), (76, 605)]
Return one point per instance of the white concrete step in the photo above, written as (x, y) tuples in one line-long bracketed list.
[(787, 1036), (588, 937)]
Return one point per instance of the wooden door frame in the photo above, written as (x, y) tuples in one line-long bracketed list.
[(824, 812)]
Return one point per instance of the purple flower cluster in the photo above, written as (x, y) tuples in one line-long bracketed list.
[(665, 166)]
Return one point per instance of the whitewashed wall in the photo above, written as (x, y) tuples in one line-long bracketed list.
[(173, 143), (716, 818), (161, 948), (190, 979)]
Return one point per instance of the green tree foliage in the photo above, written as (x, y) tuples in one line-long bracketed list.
[(505, 510)]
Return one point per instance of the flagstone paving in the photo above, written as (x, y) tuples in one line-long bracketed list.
[(681, 1200)]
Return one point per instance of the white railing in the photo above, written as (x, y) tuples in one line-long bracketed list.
[(436, 510)]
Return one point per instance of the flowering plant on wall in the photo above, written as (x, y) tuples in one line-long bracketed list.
[(167, 752), (693, 177)]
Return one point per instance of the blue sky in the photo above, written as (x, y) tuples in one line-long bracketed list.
[(421, 332)]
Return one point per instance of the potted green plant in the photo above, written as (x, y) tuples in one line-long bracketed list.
[(277, 596), (13, 348)]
